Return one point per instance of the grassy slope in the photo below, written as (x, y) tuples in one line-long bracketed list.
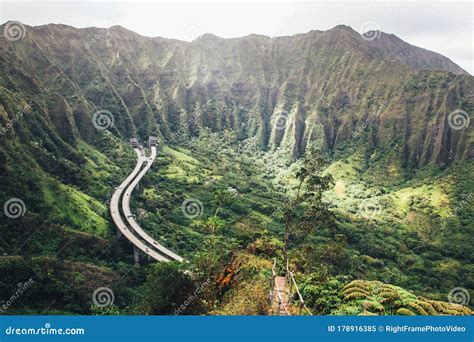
[(66, 226)]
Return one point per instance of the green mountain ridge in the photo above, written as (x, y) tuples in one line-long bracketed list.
[(237, 113), (319, 85)]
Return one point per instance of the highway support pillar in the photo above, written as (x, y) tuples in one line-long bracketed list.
[(136, 255)]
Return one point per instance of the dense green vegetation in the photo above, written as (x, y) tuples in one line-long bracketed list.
[(407, 237), (385, 205)]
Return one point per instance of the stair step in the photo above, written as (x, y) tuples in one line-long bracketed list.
[(281, 287)]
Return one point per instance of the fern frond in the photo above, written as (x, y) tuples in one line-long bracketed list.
[(417, 308), (373, 306), (404, 312), (427, 307), (354, 289), (355, 295), (357, 283)]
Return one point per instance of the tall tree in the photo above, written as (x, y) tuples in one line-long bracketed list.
[(306, 210)]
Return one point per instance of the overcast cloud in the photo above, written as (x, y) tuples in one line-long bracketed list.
[(444, 27)]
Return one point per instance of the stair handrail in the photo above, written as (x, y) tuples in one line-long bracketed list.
[(274, 283), (291, 280)]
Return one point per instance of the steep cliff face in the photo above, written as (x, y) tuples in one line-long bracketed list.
[(332, 88)]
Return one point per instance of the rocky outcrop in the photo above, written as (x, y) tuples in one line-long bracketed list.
[(332, 88)]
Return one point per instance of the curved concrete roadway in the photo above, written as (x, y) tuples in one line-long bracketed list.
[(130, 217), (115, 212)]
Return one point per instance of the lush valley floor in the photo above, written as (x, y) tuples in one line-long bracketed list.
[(389, 227)]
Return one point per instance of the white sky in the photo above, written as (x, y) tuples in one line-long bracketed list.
[(444, 27)]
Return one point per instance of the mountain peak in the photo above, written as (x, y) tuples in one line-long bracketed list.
[(208, 37), (343, 27)]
